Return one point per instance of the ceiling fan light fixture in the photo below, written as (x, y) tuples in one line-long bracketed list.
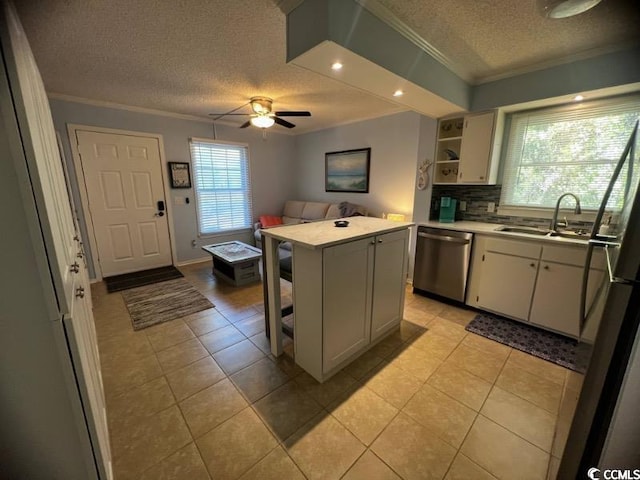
[(565, 8), (262, 121), (261, 105)]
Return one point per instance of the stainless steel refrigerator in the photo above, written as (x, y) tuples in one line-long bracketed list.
[(605, 433)]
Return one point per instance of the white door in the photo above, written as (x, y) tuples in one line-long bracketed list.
[(389, 280), (123, 178), (476, 148), (346, 303), (83, 346), (507, 284)]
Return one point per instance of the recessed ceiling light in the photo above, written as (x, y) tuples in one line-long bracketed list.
[(398, 93), (578, 98), (336, 66)]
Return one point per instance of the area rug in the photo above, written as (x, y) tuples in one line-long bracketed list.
[(552, 347), (161, 302), (138, 279)]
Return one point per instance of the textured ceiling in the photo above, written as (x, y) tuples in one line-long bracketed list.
[(200, 56), (486, 39)]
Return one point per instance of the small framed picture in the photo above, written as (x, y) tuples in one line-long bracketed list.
[(179, 175)]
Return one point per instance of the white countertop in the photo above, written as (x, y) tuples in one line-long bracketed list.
[(324, 233), (490, 229)]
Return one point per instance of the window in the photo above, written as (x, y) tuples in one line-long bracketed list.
[(221, 182), (568, 149)]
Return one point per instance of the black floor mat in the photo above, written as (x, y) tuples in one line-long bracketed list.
[(553, 347), (138, 279)]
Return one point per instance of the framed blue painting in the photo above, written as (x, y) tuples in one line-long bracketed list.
[(347, 171)]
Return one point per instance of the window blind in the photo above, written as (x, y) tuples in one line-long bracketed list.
[(568, 149), (222, 186)]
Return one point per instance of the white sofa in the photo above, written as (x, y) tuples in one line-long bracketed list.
[(296, 211)]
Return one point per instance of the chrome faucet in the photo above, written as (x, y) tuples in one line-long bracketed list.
[(554, 220)]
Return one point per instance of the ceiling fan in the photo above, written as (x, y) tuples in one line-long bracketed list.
[(263, 116)]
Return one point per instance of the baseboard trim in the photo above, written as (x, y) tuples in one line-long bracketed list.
[(194, 261)]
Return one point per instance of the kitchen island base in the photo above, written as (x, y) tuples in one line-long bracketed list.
[(348, 292)]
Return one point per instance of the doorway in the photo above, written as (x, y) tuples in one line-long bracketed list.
[(121, 181)]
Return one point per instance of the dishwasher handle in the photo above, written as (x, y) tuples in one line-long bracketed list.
[(444, 238)]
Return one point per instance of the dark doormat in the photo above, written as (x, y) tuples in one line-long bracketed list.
[(138, 279), (159, 303), (561, 350)]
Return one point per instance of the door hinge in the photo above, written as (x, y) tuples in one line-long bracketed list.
[(478, 298), (483, 257)]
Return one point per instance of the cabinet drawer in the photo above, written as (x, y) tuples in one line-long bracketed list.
[(570, 255), (513, 247), (564, 254)]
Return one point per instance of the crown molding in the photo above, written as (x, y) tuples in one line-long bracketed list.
[(388, 17), (147, 111), (130, 108)]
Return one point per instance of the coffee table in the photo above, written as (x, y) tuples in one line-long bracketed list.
[(235, 262)]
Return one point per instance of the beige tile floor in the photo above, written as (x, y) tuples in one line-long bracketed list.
[(201, 397)]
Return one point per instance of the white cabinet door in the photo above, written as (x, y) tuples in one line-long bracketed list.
[(475, 152), (507, 284), (556, 302), (45, 167), (388, 282), (80, 330), (346, 303)]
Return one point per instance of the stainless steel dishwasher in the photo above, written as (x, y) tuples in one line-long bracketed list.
[(442, 262)]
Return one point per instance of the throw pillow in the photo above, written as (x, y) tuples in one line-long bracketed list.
[(270, 221)]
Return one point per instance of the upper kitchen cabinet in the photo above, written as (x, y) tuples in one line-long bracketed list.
[(468, 149)]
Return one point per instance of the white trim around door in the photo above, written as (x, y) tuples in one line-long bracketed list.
[(77, 162)]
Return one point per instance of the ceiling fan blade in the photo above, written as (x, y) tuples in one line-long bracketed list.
[(226, 114), (293, 114), (282, 122), (246, 124)]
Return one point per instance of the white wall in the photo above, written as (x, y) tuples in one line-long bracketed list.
[(394, 148), (272, 162)]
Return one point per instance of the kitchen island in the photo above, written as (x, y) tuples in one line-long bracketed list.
[(348, 288)]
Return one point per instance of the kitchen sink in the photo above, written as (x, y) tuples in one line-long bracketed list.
[(575, 234), (580, 234), (525, 230)]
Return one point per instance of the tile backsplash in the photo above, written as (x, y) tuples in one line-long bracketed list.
[(477, 198)]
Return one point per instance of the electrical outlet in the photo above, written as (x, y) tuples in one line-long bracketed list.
[(463, 206), (491, 207)]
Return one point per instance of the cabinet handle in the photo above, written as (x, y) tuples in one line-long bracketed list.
[(75, 268), (546, 267), (80, 292), (373, 242), (481, 178), (379, 240), (532, 264)]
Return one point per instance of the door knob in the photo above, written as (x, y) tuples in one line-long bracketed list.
[(159, 214)]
